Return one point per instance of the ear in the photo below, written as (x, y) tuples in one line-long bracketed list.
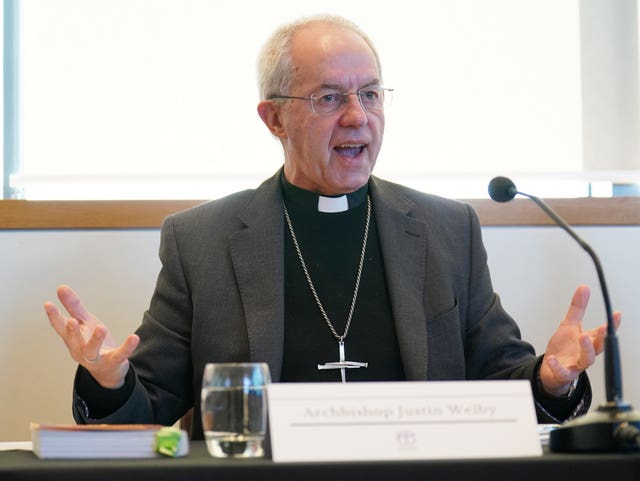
[(270, 115)]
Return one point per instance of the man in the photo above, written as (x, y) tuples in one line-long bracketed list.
[(323, 266)]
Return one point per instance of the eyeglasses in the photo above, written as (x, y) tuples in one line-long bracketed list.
[(371, 99)]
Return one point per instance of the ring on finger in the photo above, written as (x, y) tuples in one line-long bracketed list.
[(91, 361)]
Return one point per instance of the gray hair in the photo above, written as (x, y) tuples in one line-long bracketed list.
[(275, 72)]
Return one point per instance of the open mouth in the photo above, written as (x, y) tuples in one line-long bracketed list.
[(349, 150)]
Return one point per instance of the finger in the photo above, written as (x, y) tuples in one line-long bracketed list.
[(578, 305), (124, 351), (68, 330), (597, 338), (110, 366), (55, 318), (72, 303), (74, 339), (114, 355), (587, 352), (599, 334), (91, 349), (561, 375), (617, 319)]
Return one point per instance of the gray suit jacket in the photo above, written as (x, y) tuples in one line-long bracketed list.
[(220, 297)]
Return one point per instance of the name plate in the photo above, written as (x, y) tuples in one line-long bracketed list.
[(365, 421)]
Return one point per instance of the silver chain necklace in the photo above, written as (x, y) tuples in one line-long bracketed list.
[(342, 364)]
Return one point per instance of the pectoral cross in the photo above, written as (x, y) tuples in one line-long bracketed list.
[(342, 364)]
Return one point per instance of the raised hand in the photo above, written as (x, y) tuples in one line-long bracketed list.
[(571, 350), (89, 341)]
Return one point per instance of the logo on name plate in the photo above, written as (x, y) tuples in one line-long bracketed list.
[(406, 439)]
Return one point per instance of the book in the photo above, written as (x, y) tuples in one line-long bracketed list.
[(99, 441)]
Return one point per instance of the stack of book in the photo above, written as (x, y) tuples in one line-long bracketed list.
[(95, 441)]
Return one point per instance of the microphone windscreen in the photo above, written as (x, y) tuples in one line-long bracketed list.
[(502, 189)]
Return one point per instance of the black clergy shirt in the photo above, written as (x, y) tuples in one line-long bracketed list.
[(331, 244)]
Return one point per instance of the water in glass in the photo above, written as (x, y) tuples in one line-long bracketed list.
[(234, 409)]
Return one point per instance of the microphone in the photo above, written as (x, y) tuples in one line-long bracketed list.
[(502, 189), (615, 425)]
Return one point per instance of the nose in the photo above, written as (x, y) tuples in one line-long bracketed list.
[(354, 114)]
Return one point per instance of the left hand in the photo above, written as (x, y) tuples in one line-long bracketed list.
[(571, 350)]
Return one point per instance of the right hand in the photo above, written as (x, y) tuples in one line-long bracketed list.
[(88, 340)]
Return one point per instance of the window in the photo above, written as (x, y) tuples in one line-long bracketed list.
[(139, 99)]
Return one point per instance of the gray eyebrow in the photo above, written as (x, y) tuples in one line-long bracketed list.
[(342, 89)]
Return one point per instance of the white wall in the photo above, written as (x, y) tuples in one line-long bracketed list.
[(534, 269)]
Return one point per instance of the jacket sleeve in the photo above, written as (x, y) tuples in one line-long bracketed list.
[(160, 376), (494, 348)]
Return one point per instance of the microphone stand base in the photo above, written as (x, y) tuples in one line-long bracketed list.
[(613, 427)]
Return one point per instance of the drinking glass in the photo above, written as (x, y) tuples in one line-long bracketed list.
[(234, 408)]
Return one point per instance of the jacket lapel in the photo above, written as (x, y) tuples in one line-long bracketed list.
[(403, 242), (257, 253)]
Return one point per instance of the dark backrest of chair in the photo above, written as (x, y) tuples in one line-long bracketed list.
[(185, 422)]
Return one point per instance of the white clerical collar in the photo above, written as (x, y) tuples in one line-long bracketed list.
[(333, 204), (327, 205)]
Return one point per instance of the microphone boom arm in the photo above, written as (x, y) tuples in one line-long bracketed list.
[(611, 352), (615, 425)]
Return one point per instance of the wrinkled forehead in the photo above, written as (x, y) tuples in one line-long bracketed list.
[(324, 54)]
